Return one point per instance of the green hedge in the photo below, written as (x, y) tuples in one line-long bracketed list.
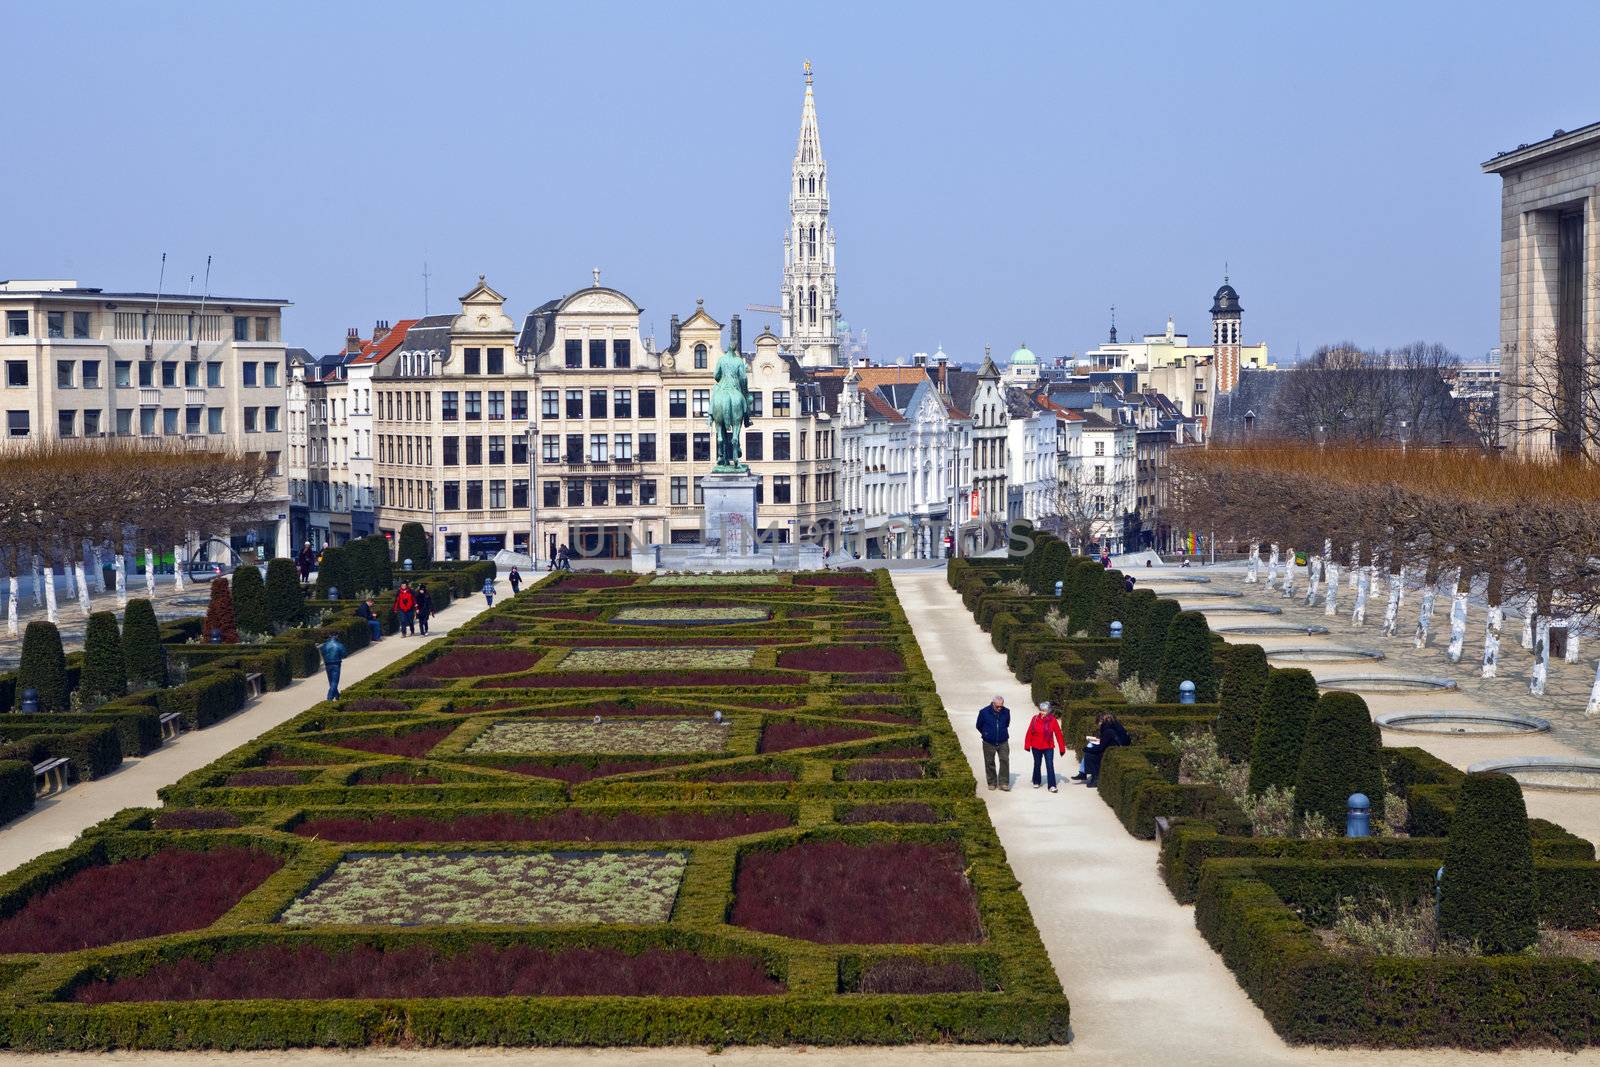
[(206, 700), (94, 750)]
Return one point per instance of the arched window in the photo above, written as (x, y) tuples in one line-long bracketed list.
[(699, 357), (811, 302)]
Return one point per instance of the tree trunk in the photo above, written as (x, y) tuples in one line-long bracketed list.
[(1391, 611), (11, 606), (50, 594), (1355, 564), (1254, 562), (1313, 576), (83, 589), (1330, 603), (1541, 656), (33, 577), (1358, 615), (121, 565), (149, 573), (66, 572), (99, 569), (1573, 622), (177, 568), (1491, 635), (1288, 574), (1594, 693), (1458, 614)]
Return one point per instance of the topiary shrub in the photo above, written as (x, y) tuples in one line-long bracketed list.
[(1488, 894), (1152, 649), (43, 667), (285, 600), (1286, 708), (142, 651), (1188, 657), (414, 545), (333, 572), (1244, 683), (219, 614), (1339, 757), (1110, 597), (250, 602), (1135, 610), (105, 669)]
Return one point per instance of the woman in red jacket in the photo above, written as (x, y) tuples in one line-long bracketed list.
[(404, 604), (1043, 739)]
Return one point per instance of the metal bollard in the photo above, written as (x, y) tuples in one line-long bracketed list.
[(405, 564), (1186, 693), (1438, 890), (1358, 818), (30, 701), (1059, 586), (216, 637), (1116, 631), (333, 592)]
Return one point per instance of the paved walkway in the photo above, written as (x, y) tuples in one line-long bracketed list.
[(57, 821)]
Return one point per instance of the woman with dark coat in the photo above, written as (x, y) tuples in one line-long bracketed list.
[(1109, 733), (424, 608)]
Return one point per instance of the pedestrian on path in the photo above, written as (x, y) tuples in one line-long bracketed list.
[(332, 659), (424, 608), (488, 591), (994, 726), (305, 561), (1043, 739), (405, 603), (516, 581)]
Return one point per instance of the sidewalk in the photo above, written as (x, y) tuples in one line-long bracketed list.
[(57, 821)]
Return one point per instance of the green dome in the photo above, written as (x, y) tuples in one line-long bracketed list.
[(1022, 355)]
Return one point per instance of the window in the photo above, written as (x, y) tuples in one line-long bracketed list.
[(597, 403), (550, 448), (64, 374), (169, 421), (647, 448), (647, 403), (494, 361), (497, 450), (241, 327), (452, 496), (474, 405), (647, 491), (191, 420), (272, 419), (269, 375), (622, 403), (17, 326), (474, 496), (574, 492), (124, 422), (574, 354), (549, 403), (597, 352), (761, 490), (780, 444), (16, 373), (552, 494), (1099, 448), (574, 403), (497, 493), (519, 405), (191, 375), (755, 403), (91, 374), (752, 445), (450, 451), (213, 420), (699, 490), (147, 375), (622, 448), (677, 404), (66, 423), (80, 324), (624, 492), (519, 449), (678, 447), (169, 375), (599, 492), (780, 403), (17, 423), (147, 422), (702, 447), (124, 374), (519, 493), (597, 448), (247, 373), (680, 490), (55, 324), (780, 489), (699, 357), (497, 406), (447, 406), (252, 417), (474, 451), (471, 361), (574, 448), (702, 403), (263, 328)]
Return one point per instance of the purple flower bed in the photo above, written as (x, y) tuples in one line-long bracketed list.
[(268, 776), (376, 704), (749, 774), (904, 752), (412, 681), (297, 972), (888, 770), (171, 890), (910, 811), (477, 662), (568, 825), (836, 579), (499, 624), (850, 659), (573, 615), (865, 624), (919, 976), (573, 772), (624, 679), (480, 639), (194, 819), (840, 894), (899, 718), (872, 698), (397, 777), (595, 581), (783, 736), (415, 743)]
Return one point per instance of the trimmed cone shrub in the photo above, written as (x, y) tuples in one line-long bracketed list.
[(1078, 591), (382, 563), (250, 602), (43, 667), (142, 650), (1110, 596), (414, 545), (1152, 650), (219, 613), (1135, 610), (1339, 757), (1188, 657), (1488, 894), (1286, 708), (286, 602), (1244, 683), (334, 573), (105, 670)]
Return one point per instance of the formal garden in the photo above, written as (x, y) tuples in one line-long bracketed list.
[(1456, 920), (613, 810)]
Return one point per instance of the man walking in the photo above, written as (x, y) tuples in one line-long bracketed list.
[(424, 608), (516, 581), (994, 726), (332, 659), (304, 562)]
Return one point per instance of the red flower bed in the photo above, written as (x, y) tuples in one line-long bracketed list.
[(297, 972), (195, 819), (670, 641), (888, 770), (415, 743), (904, 752), (267, 776), (749, 774), (624, 679), (770, 704), (847, 658), (595, 581), (575, 615), (783, 736), (480, 639), (411, 681), (568, 825), (906, 812), (476, 662), (375, 704), (865, 624), (840, 894), (171, 890), (499, 624), (899, 718), (574, 772), (836, 579), (918, 976)]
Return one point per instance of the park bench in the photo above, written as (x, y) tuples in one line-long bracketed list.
[(171, 725), (50, 776), (256, 683)]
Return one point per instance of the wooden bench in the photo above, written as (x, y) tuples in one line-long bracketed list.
[(256, 684), (50, 776), (171, 725)]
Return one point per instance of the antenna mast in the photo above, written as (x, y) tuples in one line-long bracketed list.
[(425, 286), (161, 281)]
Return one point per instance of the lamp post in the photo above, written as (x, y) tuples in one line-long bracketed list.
[(533, 499), (433, 520)]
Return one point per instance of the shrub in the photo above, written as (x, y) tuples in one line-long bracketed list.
[(43, 667), (1286, 708), (105, 670), (334, 571), (142, 650), (568, 825), (250, 601), (1339, 757), (1152, 647), (414, 545), (206, 699), (219, 614), (1188, 657), (1488, 895), (286, 601), (906, 974), (195, 819), (1244, 683)]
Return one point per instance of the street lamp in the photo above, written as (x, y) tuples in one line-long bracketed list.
[(533, 501)]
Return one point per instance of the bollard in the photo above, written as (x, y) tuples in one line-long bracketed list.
[(1186, 693), (405, 564), (1116, 631), (1059, 586), (1358, 817), (333, 592), (30, 701), (216, 637), (1438, 891)]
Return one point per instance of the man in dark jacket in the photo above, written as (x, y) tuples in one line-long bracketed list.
[(332, 661), (994, 726), (424, 608)]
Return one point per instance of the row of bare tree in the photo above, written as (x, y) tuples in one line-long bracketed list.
[(1519, 529), (114, 499)]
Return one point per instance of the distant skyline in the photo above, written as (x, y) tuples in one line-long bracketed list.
[(994, 181)]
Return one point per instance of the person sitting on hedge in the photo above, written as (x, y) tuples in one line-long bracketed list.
[(1043, 739), (424, 609), (405, 602), (1109, 733), (365, 610)]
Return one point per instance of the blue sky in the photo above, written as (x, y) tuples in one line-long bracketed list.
[(1000, 173)]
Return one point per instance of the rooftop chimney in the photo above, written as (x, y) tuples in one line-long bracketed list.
[(380, 330), (352, 341), (735, 335), (943, 375), (677, 331)]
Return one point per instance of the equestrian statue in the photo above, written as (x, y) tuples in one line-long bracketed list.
[(730, 412)]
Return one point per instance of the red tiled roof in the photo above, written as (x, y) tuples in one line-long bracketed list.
[(377, 353), (881, 407)]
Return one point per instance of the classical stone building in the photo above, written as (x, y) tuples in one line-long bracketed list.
[(1549, 310)]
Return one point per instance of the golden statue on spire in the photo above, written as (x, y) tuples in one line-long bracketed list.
[(808, 71)]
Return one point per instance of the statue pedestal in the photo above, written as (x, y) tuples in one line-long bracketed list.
[(729, 520)]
